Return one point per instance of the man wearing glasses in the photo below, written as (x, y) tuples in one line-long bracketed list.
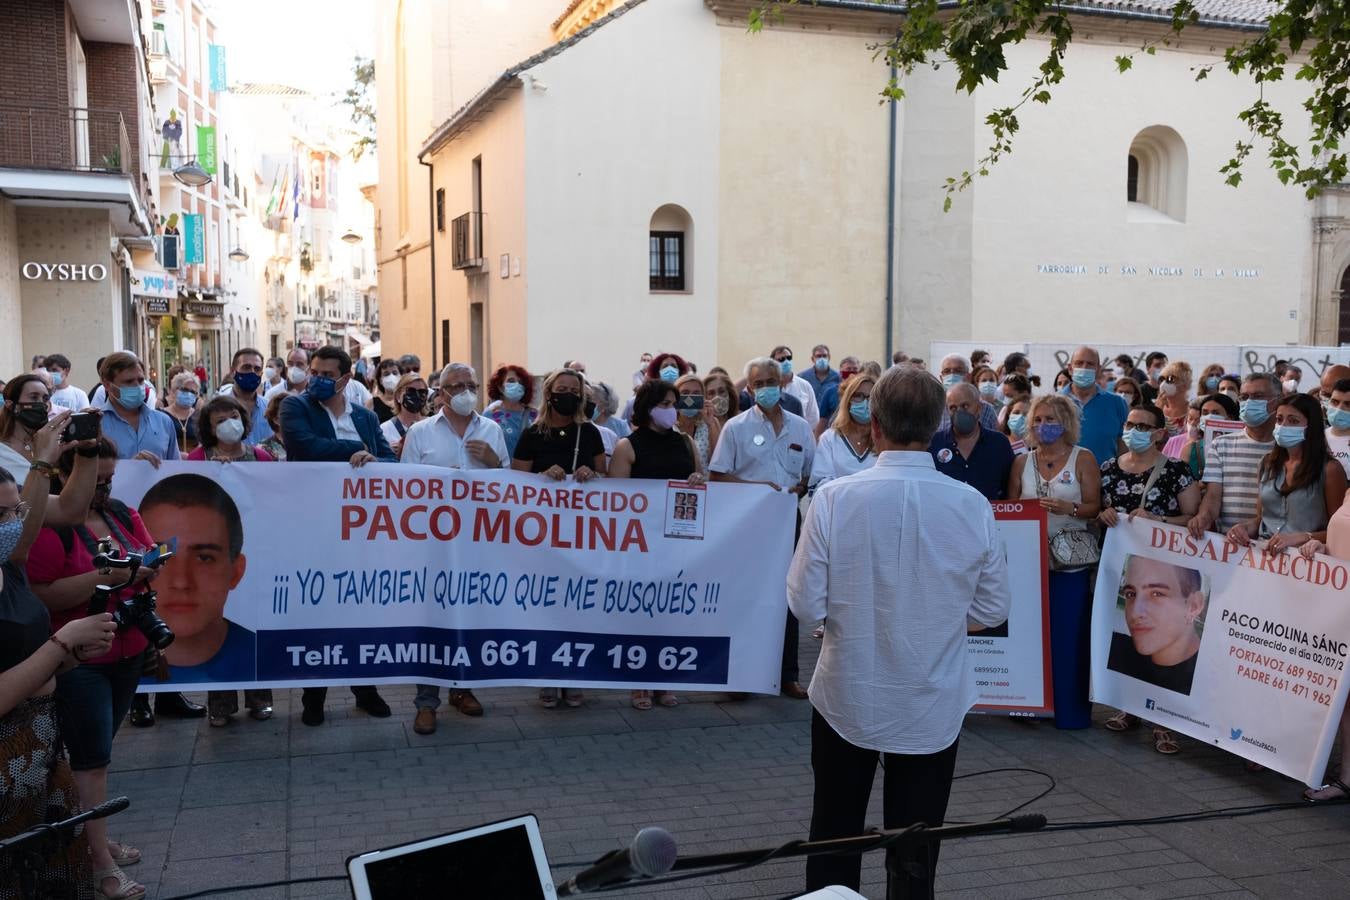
[(456, 438), (1103, 414)]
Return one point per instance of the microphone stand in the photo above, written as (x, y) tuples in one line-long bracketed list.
[(896, 886), (28, 849)]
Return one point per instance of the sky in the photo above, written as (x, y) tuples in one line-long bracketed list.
[(305, 43)]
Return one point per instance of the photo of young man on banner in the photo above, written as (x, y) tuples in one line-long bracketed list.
[(1164, 611)]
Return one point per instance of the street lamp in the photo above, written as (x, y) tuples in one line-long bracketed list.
[(238, 254), (192, 174), (351, 237)]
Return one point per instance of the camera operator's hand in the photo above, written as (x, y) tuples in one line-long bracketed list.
[(47, 445), (142, 574), (90, 637)]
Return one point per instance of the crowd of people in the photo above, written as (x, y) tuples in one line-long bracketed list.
[(1101, 443)]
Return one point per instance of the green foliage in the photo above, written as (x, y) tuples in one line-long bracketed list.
[(361, 98), (973, 35)]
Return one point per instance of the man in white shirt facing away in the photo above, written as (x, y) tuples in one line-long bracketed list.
[(898, 599)]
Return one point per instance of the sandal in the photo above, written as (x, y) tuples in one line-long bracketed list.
[(1121, 721), (1342, 797), (123, 855), (642, 700), (1164, 742), (667, 699), (548, 698), (126, 888)]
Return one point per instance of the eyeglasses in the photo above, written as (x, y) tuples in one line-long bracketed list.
[(16, 513), (458, 387), (1140, 426)]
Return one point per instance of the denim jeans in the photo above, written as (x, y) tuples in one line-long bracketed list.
[(94, 701)]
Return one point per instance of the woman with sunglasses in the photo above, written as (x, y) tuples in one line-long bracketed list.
[(410, 397), (1174, 393), (696, 419)]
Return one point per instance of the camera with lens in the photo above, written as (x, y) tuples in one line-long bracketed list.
[(138, 610)]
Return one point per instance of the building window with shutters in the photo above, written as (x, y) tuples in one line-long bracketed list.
[(666, 262)]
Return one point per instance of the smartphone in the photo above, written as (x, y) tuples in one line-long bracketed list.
[(81, 427), (160, 553)]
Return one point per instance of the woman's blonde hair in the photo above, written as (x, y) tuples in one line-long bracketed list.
[(547, 390), (1065, 410), (1182, 371), (405, 382), (846, 392)]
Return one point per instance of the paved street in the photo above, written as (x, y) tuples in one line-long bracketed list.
[(267, 801)]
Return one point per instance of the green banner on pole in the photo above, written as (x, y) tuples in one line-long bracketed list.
[(206, 148)]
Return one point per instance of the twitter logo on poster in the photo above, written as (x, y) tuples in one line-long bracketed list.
[(1234, 733)]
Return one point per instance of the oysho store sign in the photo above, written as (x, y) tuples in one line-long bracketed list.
[(37, 271)]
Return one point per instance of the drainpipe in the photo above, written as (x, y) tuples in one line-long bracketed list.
[(890, 233), (431, 221)]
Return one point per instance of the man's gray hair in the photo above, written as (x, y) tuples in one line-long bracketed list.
[(955, 357), (907, 405), (1270, 378), (457, 367), (610, 400), (763, 362)]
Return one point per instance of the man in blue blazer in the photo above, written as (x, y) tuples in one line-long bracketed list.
[(320, 425)]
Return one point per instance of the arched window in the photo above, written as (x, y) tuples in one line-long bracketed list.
[(1345, 307), (1155, 176), (669, 239)]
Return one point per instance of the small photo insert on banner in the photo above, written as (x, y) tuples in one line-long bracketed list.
[(686, 509)]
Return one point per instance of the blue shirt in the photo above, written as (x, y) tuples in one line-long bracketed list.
[(1102, 420), (236, 660), (155, 432), (828, 401), (987, 468), (820, 387)]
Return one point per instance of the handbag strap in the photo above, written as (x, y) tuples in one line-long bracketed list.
[(576, 450), (1152, 479)]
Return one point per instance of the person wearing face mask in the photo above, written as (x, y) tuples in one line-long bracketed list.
[(696, 419), (1144, 483), (1337, 408), (1015, 425), (1010, 390), (986, 383), (955, 369), (385, 403), (1174, 392), (64, 394), (966, 452), (1067, 480), (1062, 380), (601, 406), (274, 373), (1177, 442), (183, 395), (323, 425), (1208, 383), (657, 449), (1125, 368), (511, 390), (1232, 460), (246, 386), (1101, 414), (640, 374), (1291, 379), (39, 786), (137, 430), (822, 377), (1154, 364), (796, 387), (26, 412), (767, 445), (294, 376), (1213, 407), (1300, 484), (98, 693), (722, 400), (410, 396), (274, 445), (1130, 390), (455, 438), (846, 446)]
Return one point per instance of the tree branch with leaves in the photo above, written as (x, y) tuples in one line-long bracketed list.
[(361, 98)]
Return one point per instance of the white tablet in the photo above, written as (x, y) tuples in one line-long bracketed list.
[(502, 859)]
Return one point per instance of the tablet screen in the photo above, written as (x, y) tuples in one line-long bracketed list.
[(493, 865)]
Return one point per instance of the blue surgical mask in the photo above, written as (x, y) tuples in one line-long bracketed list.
[(1212, 383), (669, 374), (1084, 378), (767, 397), (785, 367), (1290, 435), (10, 532), (963, 423), (988, 389), (186, 399), (861, 411), (1110, 386), (1137, 441), (1049, 432), (1017, 424), (513, 390), (321, 387), (822, 363), (1338, 418), (131, 396), (952, 380), (1254, 412), (57, 378)]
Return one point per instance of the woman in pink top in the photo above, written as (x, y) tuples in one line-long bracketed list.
[(1338, 546)]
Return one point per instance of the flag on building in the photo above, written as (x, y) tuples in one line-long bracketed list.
[(219, 81), (194, 239), (206, 148)]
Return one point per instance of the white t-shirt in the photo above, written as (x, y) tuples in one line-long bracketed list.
[(1339, 448), (70, 397)]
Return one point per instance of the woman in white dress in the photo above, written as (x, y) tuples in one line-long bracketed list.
[(846, 446)]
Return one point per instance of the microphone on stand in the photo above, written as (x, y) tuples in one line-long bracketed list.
[(652, 853)]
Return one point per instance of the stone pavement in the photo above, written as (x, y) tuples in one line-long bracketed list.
[(258, 802)]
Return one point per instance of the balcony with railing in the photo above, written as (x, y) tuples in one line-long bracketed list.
[(67, 139), (466, 241)]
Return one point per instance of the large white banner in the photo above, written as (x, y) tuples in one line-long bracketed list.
[(1230, 645), (311, 574), (1011, 664)]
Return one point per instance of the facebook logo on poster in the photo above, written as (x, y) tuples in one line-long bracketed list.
[(1148, 703)]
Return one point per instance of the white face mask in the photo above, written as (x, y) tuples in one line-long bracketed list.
[(231, 431), (1167, 388), (463, 403), (269, 373), (1290, 386), (296, 375), (389, 382)]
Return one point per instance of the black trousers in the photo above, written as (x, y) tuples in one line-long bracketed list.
[(916, 789), (317, 696)]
